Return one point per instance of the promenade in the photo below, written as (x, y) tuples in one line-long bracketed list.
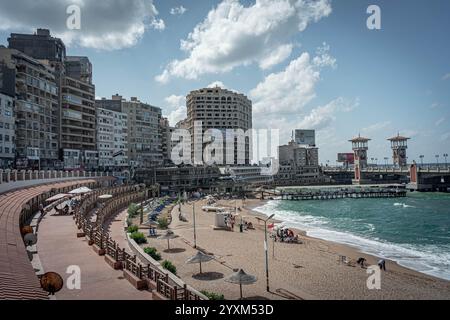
[(59, 248), (17, 276)]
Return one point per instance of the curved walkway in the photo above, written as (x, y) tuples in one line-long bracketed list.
[(18, 279), (59, 248)]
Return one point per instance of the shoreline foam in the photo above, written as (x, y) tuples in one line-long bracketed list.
[(411, 258)]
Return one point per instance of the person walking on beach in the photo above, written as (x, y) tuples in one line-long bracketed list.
[(382, 264)]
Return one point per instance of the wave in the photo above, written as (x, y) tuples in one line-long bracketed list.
[(404, 205), (429, 259)]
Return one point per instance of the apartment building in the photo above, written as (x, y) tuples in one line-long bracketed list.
[(7, 131), (298, 155), (78, 116), (144, 137), (217, 108), (112, 135), (36, 109), (166, 141)]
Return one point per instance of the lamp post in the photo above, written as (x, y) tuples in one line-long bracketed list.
[(421, 159), (445, 155), (386, 160), (195, 231), (266, 251), (437, 160)]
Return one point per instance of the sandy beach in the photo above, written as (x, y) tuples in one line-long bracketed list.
[(310, 270)]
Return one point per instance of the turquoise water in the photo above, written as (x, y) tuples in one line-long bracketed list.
[(414, 231)]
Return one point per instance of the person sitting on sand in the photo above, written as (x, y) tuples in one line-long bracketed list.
[(361, 261)]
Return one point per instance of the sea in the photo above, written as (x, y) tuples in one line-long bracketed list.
[(413, 231)]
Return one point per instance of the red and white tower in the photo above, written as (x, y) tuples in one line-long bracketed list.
[(399, 145), (360, 145)]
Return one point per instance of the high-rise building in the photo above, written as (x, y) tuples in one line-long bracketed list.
[(217, 108), (112, 134), (40, 45), (305, 137), (7, 131), (79, 68), (143, 135), (36, 109), (78, 131), (166, 141), (7, 116), (297, 155)]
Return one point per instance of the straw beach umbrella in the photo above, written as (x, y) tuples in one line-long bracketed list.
[(241, 278), (200, 257), (167, 236)]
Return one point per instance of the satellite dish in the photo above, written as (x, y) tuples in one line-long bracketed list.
[(26, 229), (51, 282), (30, 239)]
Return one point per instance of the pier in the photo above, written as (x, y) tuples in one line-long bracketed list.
[(334, 194)]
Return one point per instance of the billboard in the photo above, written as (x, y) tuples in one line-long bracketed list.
[(348, 158), (305, 137)]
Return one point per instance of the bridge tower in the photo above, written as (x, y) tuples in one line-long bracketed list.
[(360, 145), (399, 145)]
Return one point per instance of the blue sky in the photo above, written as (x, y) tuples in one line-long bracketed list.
[(373, 82)]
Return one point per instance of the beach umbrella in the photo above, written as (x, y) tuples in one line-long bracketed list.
[(105, 196), (80, 190), (241, 278), (58, 197), (167, 236), (200, 257)]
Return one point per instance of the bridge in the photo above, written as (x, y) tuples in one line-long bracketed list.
[(415, 177)]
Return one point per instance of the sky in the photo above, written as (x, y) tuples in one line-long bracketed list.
[(304, 64)]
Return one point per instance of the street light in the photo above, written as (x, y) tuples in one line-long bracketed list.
[(445, 155), (437, 159), (421, 159), (195, 231), (266, 251), (386, 160)]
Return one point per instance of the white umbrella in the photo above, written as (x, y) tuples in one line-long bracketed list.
[(105, 196), (58, 197), (80, 190)]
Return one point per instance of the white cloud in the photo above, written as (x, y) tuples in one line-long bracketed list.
[(233, 35), (158, 24), (278, 55), (177, 108), (289, 90), (376, 127), (446, 76), (321, 117), (434, 105), (175, 101), (178, 10), (177, 115), (439, 122), (445, 136), (217, 84), (105, 25)]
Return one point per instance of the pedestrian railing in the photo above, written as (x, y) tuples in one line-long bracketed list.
[(123, 197), (11, 175)]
